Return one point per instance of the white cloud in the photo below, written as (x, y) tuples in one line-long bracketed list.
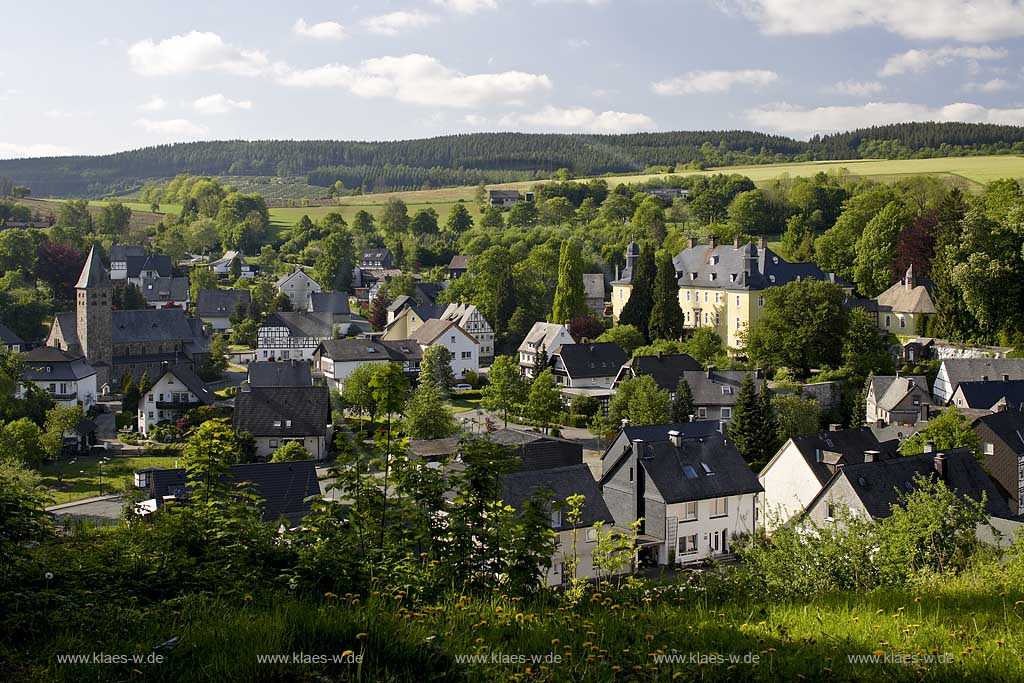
[(10, 150), (917, 61), (474, 120), (966, 20), (580, 119), (398, 22), (700, 82), (803, 122), (994, 85), (578, 43), (194, 51), (174, 128), (855, 88), (420, 79), (57, 114), (325, 30), (154, 103), (219, 104), (467, 6)]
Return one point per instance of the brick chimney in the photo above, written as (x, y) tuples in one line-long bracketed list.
[(692, 242), (676, 438), (736, 242), (713, 242), (871, 456), (940, 465), (929, 447), (761, 243)]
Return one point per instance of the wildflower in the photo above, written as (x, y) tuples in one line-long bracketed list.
[(917, 600), (329, 595), (555, 642), (360, 636), (48, 576), (247, 597), (347, 653)]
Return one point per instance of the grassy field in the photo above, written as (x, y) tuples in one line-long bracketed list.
[(80, 477)]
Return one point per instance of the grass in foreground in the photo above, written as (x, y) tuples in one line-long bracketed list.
[(81, 477)]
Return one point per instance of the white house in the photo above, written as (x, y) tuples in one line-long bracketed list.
[(69, 379), (178, 391), (546, 337), (806, 463), (292, 335), (222, 266), (470, 319), (956, 370), (297, 286), (335, 359), (275, 416), (690, 486), (464, 347)]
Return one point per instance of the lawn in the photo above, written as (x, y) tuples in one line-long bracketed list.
[(461, 405), (81, 476)]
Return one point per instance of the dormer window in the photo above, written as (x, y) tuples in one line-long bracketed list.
[(693, 276), (713, 260), (712, 276), (732, 278), (775, 260), (771, 278)]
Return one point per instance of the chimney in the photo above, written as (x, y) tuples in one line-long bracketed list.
[(691, 417), (835, 427), (711, 371), (676, 438), (1006, 378), (692, 242), (929, 447), (871, 456), (761, 243), (924, 412), (736, 242), (899, 373), (818, 455), (940, 466), (638, 448), (625, 422), (617, 271), (659, 354), (758, 373), (879, 423), (713, 242)]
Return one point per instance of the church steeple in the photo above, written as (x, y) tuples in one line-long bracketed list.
[(93, 314), (93, 273)]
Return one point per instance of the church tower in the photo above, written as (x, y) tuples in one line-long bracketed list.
[(93, 316)]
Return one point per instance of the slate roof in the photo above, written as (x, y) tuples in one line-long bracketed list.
[(729, 473), (722, 388), (283, 486), (459, 262), (981, 369), (286, 373), (909, 295), (64, 367), (593, 285), (165, 289), (7, 336), (543, 334), (429, 291), (597, 359), (504, 194), (148, 324), (843, 447), (878, 484), (161, 263), (534, 451), (891, 389), (191, 381), (301, 323), (559, 483), (335, 303), (121, 252), (265, 411), (626, 276), (666, 369), (300, 274), (432, 449), (427, 333), (216, 303), (1008, 426), (359, 350), (376, 255), (93, 273), (695, 430), (742, 268), (985, 395)]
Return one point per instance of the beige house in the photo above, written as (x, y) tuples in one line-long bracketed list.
[(904, 307)]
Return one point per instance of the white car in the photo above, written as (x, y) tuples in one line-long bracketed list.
[(462, 387)]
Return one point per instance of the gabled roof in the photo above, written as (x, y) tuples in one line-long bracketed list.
[(825, 451), (283, 411), (985, 395), (376, 255), (121, 252), (889, 390), (93, 274), (161, 263), (427, 333), (298, 274), (544, 334), (558, 484), (400, 302), (7, 336), (301, 323), (593, 285), (63, 366), (368, 350), (1008, 426), (459, 262), (153, 324), (699, 469), (879, 484), (285, 373), (666, 369), (335, 303), (597, 359), (429, 291), (191, 381), (721, 388), (901, 298), (215, 303), (981, 369), (165, 289), (283, 486), (228, 257), (743, 267), (459, 313), (505, 194)]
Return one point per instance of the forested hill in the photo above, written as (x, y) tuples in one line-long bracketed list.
[(491, 157)]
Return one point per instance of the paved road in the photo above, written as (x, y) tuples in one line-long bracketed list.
[(99, 509)]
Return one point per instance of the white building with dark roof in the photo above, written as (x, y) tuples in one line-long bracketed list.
[(177, 391), (275, 416), (297, 286), (542, 339), (215, 307), (335, 359), (67, 378)]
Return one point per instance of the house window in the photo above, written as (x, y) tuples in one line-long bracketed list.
[(726, 413), (719, 507), (453, 339), (631, 474), (737, 300), (705, 297), (591, 535), (702, 412), (737, 323), (990, 448), (273, 443), (556, 519), (687, 295), (888, 320), (705, 318), (690, 511), (830, 511), (687, 545), (467, 354), (760, 301), (688, 316), (903, 322), (718, 318)]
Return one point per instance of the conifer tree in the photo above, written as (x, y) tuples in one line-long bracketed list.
[(666, 315), (637, 311), (682, 402), (570, 299), (768, 426), (744, 428)]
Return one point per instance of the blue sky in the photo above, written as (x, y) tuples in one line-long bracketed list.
[(119, 75)]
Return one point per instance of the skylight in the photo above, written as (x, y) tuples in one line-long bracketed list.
[(689, 472), (707, 469)]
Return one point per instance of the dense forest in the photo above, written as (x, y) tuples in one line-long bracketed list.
[(492, 157)]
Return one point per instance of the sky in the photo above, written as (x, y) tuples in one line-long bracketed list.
[(93, 78)]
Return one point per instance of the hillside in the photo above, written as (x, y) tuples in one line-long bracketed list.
[(491, 157)]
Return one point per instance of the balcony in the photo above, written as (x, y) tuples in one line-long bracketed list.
[(177, 405)]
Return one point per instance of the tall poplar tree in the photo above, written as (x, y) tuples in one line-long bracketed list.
[(666, 315), (637, 311), (570, 299)]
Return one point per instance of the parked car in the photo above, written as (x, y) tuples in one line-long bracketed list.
[(462, 387)]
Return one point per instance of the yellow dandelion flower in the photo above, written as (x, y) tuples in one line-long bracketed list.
[(347, 653), (361, 636)]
